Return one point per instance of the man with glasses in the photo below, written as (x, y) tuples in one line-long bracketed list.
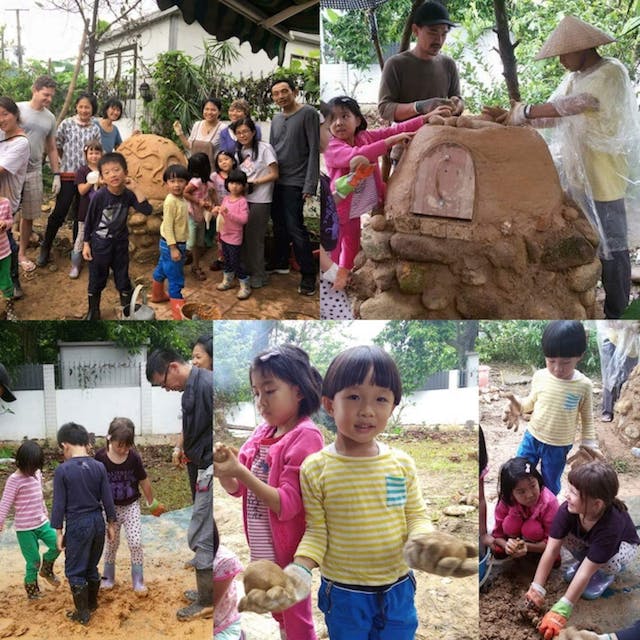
[(168, 369)]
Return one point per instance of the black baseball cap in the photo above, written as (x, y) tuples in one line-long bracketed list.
[(7, 395), (430, 13)]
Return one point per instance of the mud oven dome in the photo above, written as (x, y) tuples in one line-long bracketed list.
[(476, 226)]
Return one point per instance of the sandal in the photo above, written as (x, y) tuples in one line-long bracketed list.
[(198, 273), (27, 265)]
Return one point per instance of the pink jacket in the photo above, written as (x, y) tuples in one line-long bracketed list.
[(235, 218), (284, 460), (7, 218)]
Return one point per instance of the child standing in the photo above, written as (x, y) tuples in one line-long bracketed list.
[(127, 476), (235, 213), (224, 162), (198, 193), (80, 492), (525, 510), (226, 566), (595, 526), (106, 235), (86, 182), (266, 471), (174, 232), (6, 283), (559, 401), (23, 490)]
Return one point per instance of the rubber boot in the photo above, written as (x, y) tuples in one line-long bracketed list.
[(80, 593), (245, 289), (46, 572), (157, 292), (203, 606), (33, 590), (125, 303), (598, 584), (76, 264), (10, 310), (176, 306), (227, 282), (44, 255), (190, 595), (570, 571), (108, 576), (93, 587), (137, 580), (93, 312), (15, 277)]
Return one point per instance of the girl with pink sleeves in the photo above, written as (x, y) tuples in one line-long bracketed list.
[(266, 471)]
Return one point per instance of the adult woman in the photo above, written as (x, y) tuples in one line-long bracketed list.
[(205, 134), (110, 137), (14, 157), (258, 160), (202, 352), (238, 109), (73, 134)]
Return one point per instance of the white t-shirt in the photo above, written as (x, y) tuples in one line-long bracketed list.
[(38, 125), (14, 157), (258, 168)]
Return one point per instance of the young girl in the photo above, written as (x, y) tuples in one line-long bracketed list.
[(524, 512), (23, 490), (223, 164), (127, 476), (235, 212), (596, 528), (174, 232), (350, 138), (266, 471), (198, 193), (87, 177), (226, 566), (6, 284)]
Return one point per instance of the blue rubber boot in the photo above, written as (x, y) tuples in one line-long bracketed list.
[(597, 585), (570, 571)]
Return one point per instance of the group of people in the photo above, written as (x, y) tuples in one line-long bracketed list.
[(350, 491), (591, 523), (591, 120), (95, 495)]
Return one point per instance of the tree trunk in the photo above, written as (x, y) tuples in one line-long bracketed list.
[(406, 33), (74, 78), (91, 53), (467, 334), (506, 50)]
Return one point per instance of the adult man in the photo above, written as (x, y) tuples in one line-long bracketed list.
[(167, 369), (418, 80), (593, 127), (40, 126), (5, 390), (295, 135)]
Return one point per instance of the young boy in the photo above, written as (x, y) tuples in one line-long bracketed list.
[(106, 236), (560, 399), (80, 492)]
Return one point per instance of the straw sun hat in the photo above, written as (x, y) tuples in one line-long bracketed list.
[(572, 35)]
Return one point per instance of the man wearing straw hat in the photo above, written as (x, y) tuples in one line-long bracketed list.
[(595, 140)]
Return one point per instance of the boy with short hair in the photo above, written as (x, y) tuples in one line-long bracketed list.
[(560, 399), (106, 236), (80, 491)]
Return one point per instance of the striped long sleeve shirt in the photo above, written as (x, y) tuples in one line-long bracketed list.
[(24, 493)]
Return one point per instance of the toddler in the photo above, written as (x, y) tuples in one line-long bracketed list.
[(225, 162), (6, 283)]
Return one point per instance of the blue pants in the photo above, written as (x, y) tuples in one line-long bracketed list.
[(552, 459), (84, 542), (364, 615), (172, 270)]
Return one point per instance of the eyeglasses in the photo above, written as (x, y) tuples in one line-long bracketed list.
[(164, 380)]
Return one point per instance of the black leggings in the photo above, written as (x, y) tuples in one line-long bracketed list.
[(66, 197)]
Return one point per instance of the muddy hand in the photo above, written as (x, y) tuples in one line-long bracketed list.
[(511, 413), (272, 589), (442, 554), (555, 621), (584, 455), (516, 547), (571, 633)]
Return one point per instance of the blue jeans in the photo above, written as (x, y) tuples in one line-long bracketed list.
[(552, 459), (84, 542), (388, 614), (172, 270)]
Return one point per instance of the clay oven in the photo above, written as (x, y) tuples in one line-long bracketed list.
[(476, 226)]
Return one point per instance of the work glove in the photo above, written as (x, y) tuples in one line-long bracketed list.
[(55, 185), (555, 621), (442, 554), (571, 633), (425, 106), (156, 508), (345, 185), (535, 597), (511, 412), (272, 589)]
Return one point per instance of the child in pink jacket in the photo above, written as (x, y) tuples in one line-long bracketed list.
[(350, 138), (266, 471)]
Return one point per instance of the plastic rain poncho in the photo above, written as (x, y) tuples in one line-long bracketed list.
[(619, 346), (597, 152)]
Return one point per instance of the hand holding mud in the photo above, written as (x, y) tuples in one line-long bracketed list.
[(272, 589), (442, 554), (516, 547), (225, 461), (511, 412), (534, 599)]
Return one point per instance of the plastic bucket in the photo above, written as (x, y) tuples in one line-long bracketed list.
[(200, 311), (484, 568)]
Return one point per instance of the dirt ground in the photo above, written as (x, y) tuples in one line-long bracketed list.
[(439, 601), (121, 614), (508, 582), (51, 295)]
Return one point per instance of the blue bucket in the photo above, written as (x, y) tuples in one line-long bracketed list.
[(485, 567)]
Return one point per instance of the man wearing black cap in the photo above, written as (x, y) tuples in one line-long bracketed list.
[(5, 392), (419, 80)]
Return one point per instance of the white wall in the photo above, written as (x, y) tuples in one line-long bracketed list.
[(26, 419)]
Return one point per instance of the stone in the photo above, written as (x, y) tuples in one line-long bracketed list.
[(136, 219), (384, 276), (392, 305), (153, 224), (375, 244), (362, 283), (473, 277), (437, 298), (378, 223), (568, 252), (422, 249), (411, 276), (508, 255), (584, 277)]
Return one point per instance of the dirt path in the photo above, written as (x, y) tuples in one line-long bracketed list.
[(508, 582)]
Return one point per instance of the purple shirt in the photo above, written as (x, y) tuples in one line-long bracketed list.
[(125, 477)]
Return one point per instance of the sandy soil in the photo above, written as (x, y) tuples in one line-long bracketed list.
[(51, 295), (447, 608), (508, 582)]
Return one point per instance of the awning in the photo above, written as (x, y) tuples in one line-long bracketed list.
[(349, 5), (265, 24)]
